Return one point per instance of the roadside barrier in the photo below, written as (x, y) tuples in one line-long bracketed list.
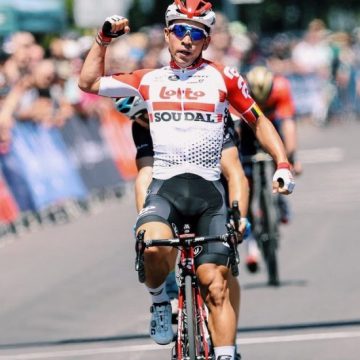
[(50, 173), (8, 207)]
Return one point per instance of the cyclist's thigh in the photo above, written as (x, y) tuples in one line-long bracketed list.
[(212, 222), (157, 209)]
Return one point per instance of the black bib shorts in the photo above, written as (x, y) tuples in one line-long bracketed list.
[(190, 199)]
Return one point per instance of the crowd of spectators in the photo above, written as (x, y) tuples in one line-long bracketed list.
[(326, 63), (39, 84)]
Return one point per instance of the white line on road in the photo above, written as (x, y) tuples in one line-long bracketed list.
[(323, 155), (153, 347)]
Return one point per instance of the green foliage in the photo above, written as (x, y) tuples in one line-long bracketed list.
[(69, 5)]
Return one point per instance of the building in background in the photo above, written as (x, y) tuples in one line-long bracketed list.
[(32, 15)]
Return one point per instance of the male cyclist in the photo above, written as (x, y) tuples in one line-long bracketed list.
[(273, 94), (187, 103), (235, 180)]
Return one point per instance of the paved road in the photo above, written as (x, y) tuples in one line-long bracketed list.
[(70, 292)]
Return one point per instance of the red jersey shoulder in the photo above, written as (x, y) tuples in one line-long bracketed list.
[(234, 82), (134, 78)]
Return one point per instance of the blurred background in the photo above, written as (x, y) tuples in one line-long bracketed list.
[(43, 45), (67, 169)]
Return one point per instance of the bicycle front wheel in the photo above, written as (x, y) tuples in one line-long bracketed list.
[(190, 318)]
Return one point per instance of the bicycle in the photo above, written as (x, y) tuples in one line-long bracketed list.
[(265, 216), (193, 340)]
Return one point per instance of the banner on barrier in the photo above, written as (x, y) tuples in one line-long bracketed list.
[(15, 174), (38, 169), (91, 153), (8, 208), (116, 129)]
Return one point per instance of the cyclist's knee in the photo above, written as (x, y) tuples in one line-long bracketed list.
[(156, 230)]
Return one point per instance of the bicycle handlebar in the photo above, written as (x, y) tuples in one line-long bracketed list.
[(186, 240)]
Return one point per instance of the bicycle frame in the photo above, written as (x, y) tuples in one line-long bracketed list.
[(186, 268), (193, 341)]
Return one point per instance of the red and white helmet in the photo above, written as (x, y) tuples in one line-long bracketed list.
[(196, 10)]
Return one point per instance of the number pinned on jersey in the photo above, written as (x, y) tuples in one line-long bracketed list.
[(243, 87), (231, 72)]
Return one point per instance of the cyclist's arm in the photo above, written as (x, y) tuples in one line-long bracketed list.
[(239, 97), (93, 69), (144, 160), (269, 138), (94, 66), (237, 182), (285, 112), (143, 180)]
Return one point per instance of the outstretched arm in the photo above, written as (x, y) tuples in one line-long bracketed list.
[(269, 139), (235, 176)]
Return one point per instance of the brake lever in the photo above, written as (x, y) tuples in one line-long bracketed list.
[(139, 261), (235, 259)]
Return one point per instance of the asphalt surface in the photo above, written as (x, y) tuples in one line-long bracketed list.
[(70, 291)]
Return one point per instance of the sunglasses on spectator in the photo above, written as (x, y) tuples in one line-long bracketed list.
[(181, 30)]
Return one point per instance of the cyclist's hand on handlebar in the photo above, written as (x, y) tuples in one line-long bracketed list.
[(245, 227), (283, 180), (113, 27)]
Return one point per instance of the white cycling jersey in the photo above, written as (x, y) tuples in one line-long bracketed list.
[(187, 111)]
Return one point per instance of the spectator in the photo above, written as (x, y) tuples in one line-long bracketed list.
[(20, 47), (43, 101), (312, 58)]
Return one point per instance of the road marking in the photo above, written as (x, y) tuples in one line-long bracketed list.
[(298, 337), (324, 155), (153, 347)]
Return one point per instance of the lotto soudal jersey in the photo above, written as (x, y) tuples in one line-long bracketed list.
[(187, 110)]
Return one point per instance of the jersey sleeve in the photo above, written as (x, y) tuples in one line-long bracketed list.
[(143, 141), (238, 95), (122, 85)]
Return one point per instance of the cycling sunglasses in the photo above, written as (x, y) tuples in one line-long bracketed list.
[(181, 30)]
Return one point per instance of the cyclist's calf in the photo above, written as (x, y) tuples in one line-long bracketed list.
[(222, 319)]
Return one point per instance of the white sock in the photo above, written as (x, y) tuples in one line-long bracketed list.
[(159, 294), (224, 352), (252, 247)]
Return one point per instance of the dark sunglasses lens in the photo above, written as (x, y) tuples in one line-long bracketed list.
[(197, 34), (181, 30)]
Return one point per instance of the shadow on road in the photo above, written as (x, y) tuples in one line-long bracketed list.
[(252, 329), (284, 283)]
